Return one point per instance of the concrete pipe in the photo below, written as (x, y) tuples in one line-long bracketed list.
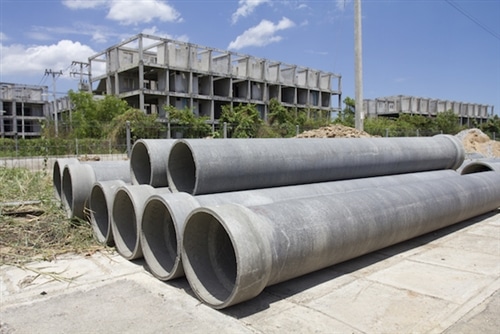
[(483, 165), (57, 173), (148, 161), (100, 205), (128, 206), (78, 179), (200, 166), (231, 252), (164, 215)]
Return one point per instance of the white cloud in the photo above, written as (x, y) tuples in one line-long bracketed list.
[(134, 12), (84, 4), (262, 34), (3, 37), (342, 4), (246, 7), (25, 60)]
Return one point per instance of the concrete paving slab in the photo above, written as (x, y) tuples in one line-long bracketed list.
[(400, 289), (445, 283)]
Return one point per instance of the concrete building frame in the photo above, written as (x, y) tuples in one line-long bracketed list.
[(23, 108), (151, 72), (392, 106)]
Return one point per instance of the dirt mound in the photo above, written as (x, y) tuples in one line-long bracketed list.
[(334, 131), (476, 141)]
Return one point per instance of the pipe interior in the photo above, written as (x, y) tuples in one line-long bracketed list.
[(124, 218), (475, 168), (182, 168), (99, 213), (211, 256), (56, 178), (160, 238), (140, 163), (67, 191)]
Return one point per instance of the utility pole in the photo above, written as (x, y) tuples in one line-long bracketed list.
[(82, 85), (358, 66), (55, 75)]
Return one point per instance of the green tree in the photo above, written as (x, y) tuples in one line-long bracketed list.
[(282, 120), (192, 126), (491, 126), (91, 118), (347, 115), (447, 122), (141, 126), (244, 119)]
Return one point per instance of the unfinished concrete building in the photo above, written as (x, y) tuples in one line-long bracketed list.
[(151, 72), (401, 104), (23, 108)]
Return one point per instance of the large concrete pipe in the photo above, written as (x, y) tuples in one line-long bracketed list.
[(148, 161), (482, 165), (100, 205), (128, 206), (200, 166), (78, 179), (57, 173), (164, 215), (231, 252)]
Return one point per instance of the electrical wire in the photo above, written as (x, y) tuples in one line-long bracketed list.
[(473, 19)]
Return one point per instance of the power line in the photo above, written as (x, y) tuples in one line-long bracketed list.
[(473, 19)]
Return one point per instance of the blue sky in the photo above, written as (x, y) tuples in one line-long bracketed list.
[(444, 49)]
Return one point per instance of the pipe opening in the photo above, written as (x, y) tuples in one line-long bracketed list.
[(99, 216), (211, 257), (159, 244), (67, 192), (140, 164), (182, 168), (476, 168), (124, 220)]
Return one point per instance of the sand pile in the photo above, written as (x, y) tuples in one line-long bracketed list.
[(476, 141), (334, 131)]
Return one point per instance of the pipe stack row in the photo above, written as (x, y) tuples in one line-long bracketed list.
[(237, 215)]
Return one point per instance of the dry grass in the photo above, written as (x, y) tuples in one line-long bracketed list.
[(32, 224)]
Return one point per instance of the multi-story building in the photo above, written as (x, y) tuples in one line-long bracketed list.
[(401, 104), (151, 72), (22, 110)]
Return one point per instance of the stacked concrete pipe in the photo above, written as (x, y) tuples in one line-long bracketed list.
[(164, 215), (78, 179), (100, 206), (57, 173), (128, 206), (148, 161), (232, 252), (199, 166)]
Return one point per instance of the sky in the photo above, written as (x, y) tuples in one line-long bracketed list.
[(441, 49)]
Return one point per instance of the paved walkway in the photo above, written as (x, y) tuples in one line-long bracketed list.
[(447, 281)]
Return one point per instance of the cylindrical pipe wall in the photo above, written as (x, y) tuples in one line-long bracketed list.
[(78, 179), (200, 166), (231, 252), (100, 205), (148, 161), (128, 206), (164, 215)]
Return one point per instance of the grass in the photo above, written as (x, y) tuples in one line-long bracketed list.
[(33, 225)]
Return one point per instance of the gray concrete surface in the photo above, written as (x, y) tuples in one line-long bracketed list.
[(447, 281)]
